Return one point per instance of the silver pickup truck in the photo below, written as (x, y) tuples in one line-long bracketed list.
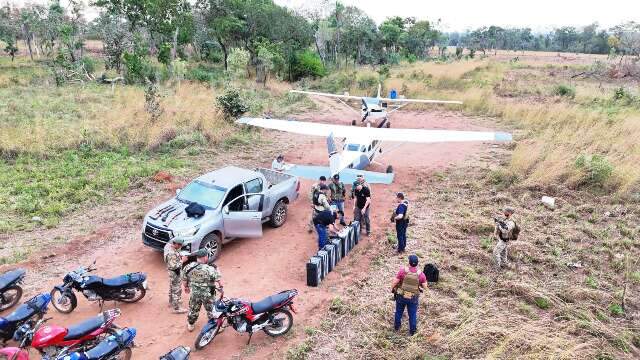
[(236, 202)]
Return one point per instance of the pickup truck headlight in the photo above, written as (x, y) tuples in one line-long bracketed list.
[(186, 232)]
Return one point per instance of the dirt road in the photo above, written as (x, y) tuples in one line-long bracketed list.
[(251, 268)]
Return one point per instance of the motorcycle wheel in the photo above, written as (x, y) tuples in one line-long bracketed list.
[(140, 293), (282, 323), (124, 354), (10, 297), (206, 338), (64, 303)]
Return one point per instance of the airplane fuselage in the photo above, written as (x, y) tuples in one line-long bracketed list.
[(364, 152)]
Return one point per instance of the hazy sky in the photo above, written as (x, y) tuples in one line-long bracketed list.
[(458, 15), (461, 15)]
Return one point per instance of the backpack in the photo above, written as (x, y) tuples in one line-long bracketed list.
[(431, 272), (194, 210), (515, 232)]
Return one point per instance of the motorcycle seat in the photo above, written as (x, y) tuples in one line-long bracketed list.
[(9, 277), (109, 346), (121, 280), (27, 310), (269, 303), (86, 327)]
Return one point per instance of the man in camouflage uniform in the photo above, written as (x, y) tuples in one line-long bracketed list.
[(174, 264), (503, 233), (338, 193), (199, 280)]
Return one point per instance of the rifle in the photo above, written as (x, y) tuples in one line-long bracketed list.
[(501, 223)]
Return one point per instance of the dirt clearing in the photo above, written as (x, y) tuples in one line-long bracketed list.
[(251, 268)]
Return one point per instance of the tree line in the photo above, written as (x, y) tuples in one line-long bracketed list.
[(263, 38)]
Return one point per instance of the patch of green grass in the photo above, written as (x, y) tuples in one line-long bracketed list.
[(486, 242), (49, 188), (542, 302), (616, 310), (564, 90), (635, 277), (300, 351), (15, 257), (591, 282)]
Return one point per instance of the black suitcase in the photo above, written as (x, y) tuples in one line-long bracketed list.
[(324, 256), (331, 250), (314, 271), (356, 229)]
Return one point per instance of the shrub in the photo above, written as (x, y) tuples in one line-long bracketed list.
[(384, 71), (621, 94), (237, 61), (367, 81), (597, 169), (202, 73), (232, 104), (542, 302), (164, 54), (616, 310), (307, 64), (393, 58), (564, 90), (411, 58)]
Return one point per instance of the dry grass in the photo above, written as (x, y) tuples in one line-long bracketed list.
[(540, 308)]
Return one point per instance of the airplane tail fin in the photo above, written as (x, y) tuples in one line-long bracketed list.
[(334, 156)]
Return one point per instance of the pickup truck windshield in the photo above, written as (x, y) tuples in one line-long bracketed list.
[(204, 194)]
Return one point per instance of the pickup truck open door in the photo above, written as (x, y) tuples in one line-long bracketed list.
[(244, 221)]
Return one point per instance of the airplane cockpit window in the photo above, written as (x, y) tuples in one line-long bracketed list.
[(352, 147), (363, 149)]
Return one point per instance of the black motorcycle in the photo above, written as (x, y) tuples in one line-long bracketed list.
[(10, 290), (179, 353), (127, 288)]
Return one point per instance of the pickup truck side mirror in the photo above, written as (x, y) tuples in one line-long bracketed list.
[(225, 210), (178, 191)]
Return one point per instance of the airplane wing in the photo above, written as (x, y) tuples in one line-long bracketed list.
[(373, 133), (346, 175), (348, 97), (422, 101)]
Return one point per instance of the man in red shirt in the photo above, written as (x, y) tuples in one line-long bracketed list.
[(407, 285)]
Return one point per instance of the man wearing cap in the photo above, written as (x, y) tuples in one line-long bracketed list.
[(315, 188), (503, 233), (359, 180), (407, 285), (401, 218), (199, 280), (278, 164), (174, 265), (361, 207), (338, 193)]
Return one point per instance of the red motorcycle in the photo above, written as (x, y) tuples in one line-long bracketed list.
[(49, 340), (271, 315)]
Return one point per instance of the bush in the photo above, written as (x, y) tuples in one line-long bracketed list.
[(237, 61), (597, 169), (203, 73), (367, 81), (307, 64), (621, 94), (411, 58), (564, 90), (232, 104), (616, 310), (137, 68), (393, 58)]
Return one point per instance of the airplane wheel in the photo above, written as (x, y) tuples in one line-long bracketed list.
[(389, 169), (353, 123), (388, 125)]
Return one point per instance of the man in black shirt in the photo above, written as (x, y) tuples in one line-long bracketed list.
[(361, 207), (322, 220)]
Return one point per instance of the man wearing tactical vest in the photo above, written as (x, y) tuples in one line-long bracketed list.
[(401, 218), (313, 192), (408, 284), (199, 280), (338, 193), (174, 264), (505, 231)]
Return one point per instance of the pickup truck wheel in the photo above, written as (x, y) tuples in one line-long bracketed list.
[(213, 243), (279, 214)]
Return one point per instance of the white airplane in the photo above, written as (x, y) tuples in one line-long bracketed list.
[(375, 108), (362, 145)]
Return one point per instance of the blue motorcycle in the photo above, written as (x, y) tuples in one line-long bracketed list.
[(179, 353), (29, 312), (114, 347), (10, 290)]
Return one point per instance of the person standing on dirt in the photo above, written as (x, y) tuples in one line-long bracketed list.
[(338, 193), (199, 280), (359, 180), (407, 286), (324, 223), (174, 266), (401, 217), (505, 231), (316, 201), (361, 207)]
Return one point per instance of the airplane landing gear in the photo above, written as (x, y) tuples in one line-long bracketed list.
[(389, 169), (353, 123)]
